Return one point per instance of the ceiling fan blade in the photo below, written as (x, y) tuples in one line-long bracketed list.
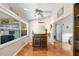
[(47, 11), (28, 9), (38, 10)]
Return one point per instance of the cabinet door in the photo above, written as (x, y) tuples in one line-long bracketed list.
[(43, 42), (36, 42)]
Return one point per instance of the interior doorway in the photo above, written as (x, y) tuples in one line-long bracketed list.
[(58, 29)]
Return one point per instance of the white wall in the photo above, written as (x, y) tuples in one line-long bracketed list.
[(12, 48), (36, 28), (34, 25), (67, 33), (66, 22), (68, 9)]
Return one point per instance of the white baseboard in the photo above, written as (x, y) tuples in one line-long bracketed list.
[(19, 49)]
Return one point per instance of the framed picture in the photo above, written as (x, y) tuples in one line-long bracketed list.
[(60, 12)]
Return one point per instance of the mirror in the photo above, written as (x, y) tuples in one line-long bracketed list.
[(9, 28), (23, 29)]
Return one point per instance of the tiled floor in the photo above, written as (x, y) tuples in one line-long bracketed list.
[(52, 50)]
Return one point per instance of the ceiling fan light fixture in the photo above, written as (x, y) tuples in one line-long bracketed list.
[(25, 9), (38, 10)]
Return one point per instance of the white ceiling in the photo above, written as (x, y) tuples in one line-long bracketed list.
[(30, 14), (3, 15)]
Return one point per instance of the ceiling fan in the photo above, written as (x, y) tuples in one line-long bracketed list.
[(39, 12)]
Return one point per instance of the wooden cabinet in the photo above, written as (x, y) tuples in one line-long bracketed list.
[(76, 30), (40, 41)]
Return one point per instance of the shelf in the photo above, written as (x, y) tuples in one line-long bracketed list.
[(8, 26), (76, 26)]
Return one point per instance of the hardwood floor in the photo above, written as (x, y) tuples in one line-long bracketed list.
[(52, 50)]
